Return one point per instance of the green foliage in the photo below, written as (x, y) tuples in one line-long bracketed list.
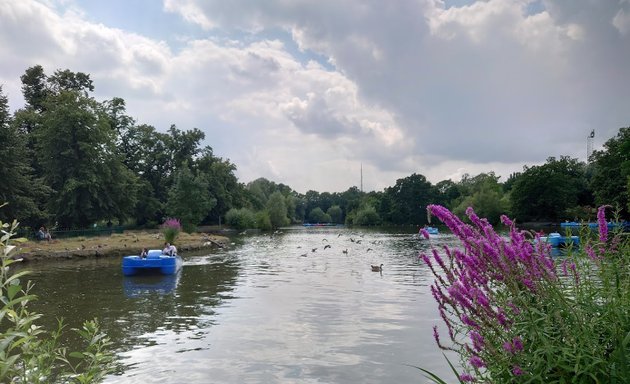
[(277, 210), (240, 218), (76, 161), (222, 183), (24, 191), (35, 87), (611, 172), (365, 216), (189, 199), (317, 215), (77, 151), (547, 191), (336, 214), (29, 354), (263, 221), (406, 202), (486, 197)]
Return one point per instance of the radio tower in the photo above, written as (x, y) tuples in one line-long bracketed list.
[(589, 145), (361, 177)]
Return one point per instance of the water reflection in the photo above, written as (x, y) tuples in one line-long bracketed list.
[(135, 286), (299, 306)]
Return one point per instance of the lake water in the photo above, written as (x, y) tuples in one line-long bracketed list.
[(300, 306)]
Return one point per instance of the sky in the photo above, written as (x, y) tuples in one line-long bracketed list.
[(314, 94)]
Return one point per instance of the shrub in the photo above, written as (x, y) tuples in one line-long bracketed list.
[(170, 229), (28, 354), (240, 218), (515, 314), (367, 216), (263, 221)]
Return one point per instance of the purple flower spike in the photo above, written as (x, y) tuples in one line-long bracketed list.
[(518, 344), (517, 371), (603, 226), (506, 221), (424, 233), (476, 362)]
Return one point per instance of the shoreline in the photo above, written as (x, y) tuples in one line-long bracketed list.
[(115, 245)]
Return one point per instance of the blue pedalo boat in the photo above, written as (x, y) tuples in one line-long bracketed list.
[(155, 262), (557, 240)]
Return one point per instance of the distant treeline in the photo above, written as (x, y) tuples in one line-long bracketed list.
[(70, 161)]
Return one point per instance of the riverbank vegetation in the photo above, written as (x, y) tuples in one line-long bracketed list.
[(515, 314), (75, 162), (30, 354)]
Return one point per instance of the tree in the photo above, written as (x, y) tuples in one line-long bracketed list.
[(408, 199), (259, 192), (335, 213), (448, 192), (365, 216), (66, 80), (76, 149), (35, 88), (222, 184), (277, 210), (611, 172), (189, 200), (240, 218), (547, 191), (19, 187), (485, 194), (317, 215)]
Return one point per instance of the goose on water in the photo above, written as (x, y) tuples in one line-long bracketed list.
[(377, 268)]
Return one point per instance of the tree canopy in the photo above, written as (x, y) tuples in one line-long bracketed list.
[(74, 161)]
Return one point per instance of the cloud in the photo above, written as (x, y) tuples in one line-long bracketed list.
[(305, 92)]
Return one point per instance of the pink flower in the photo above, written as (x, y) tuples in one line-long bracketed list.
[(517, 371), (476, 362), (603, 226)]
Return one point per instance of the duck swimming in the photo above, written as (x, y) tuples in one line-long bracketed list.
[(377, 268)]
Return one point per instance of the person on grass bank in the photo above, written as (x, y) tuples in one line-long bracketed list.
[(43, 234)]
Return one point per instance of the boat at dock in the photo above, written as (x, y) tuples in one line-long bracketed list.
[(557, 240), (432, 230)]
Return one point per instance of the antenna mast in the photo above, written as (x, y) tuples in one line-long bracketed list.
[(361, 177), (589, 145)]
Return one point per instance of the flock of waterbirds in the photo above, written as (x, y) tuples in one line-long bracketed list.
[(359, 240)]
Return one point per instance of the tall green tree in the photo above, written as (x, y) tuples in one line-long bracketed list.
[(408, 199), (336, 214), (546, 192), (76, 148), (317, 215), (223, 184), (611, 172), (485, 194), (189, 200), (19, 187), (448, 193), (366, 215), (35, 88), (277, 210)]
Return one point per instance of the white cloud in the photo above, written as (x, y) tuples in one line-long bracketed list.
[(621, 21), (401, 87)]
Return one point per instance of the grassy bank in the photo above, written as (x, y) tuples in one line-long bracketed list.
[(115, 245)]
